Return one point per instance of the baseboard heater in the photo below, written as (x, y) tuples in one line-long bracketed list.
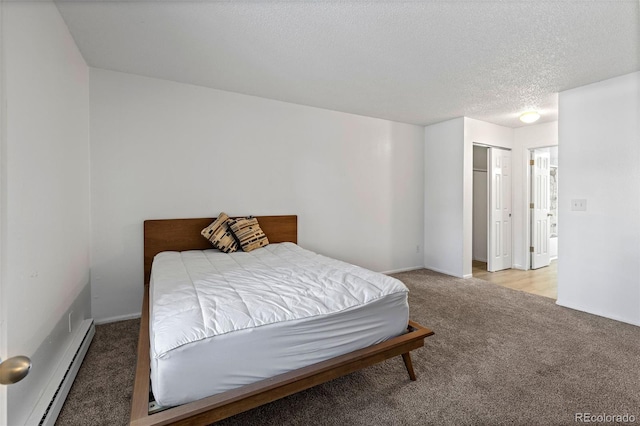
[(47, 410)]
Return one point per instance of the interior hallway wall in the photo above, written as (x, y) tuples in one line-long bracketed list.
[(525, 139), (444, 196), (448, 188), (449, 175)]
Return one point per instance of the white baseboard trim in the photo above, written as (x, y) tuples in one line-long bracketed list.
[(118, 318), (595, 312), (467, 276), (395, 271), (52, 399), (442, 271)]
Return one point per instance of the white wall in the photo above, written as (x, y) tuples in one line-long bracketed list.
[(526, 138), (45, 192), (161, 149), (599, 155), (443, 196), (481, 132), (449, 190)]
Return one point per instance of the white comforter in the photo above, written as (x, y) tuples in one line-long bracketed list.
[(196, 295)]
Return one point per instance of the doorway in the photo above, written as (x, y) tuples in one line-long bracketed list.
[(543, 206), (492, 207), (542, 281)]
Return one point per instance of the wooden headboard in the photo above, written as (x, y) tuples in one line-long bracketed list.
[(184, 234)]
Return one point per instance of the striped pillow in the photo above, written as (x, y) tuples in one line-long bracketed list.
[(248, 233), (219, 235)]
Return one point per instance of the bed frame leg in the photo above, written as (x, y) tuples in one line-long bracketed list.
[(407, 363)]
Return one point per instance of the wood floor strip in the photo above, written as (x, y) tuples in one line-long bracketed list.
[(543, 281)]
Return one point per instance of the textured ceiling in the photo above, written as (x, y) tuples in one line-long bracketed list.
[(409, 61)]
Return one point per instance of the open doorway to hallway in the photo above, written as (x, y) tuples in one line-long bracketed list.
[(541, 274), (544, 206)]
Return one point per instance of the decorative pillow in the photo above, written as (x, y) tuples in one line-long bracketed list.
[(248, 233), (219, 235)]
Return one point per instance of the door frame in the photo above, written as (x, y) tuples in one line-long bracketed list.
[(537, 254), (486, 145), (526, 152)]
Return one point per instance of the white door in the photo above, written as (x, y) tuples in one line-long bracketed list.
[(499, 190), (540, 209), (12, 368), (3, 320)]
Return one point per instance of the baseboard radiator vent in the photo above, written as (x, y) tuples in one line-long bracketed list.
[(47, 411)]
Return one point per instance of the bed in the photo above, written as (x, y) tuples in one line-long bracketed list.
[(183, 235)]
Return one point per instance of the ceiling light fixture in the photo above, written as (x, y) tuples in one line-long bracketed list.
[(529, 117)]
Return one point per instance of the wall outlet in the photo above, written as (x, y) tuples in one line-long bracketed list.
[(418, 248), (70, 313), (579, 205)]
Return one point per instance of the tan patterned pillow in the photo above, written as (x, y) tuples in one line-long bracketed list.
[(248, 233), (219, 235)]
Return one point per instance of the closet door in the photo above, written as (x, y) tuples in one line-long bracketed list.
[(499, 190)]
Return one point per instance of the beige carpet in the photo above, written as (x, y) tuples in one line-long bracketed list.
[(499, 356)]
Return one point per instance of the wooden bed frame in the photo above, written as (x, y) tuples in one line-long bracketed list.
[(184, 234)]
